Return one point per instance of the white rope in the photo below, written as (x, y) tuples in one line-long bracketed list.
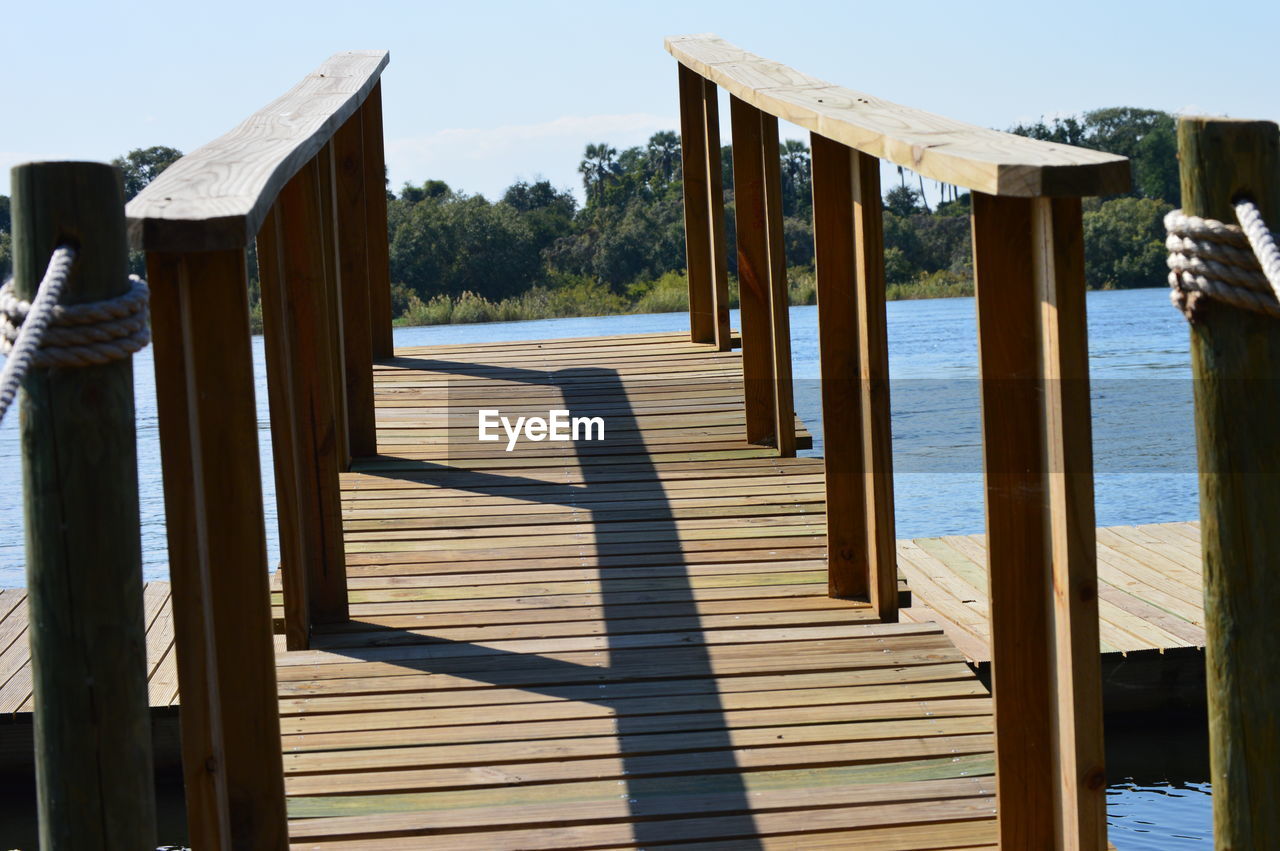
[(43, 332), (1236, 264)]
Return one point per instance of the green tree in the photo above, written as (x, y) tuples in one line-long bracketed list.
[(1124, 243), (143, 165), (6, 255), (663, 152), (6, 220), (903, 201), (797, 192), (462, 244), (1148, 137)]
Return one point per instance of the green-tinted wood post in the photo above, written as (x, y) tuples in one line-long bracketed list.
[(1235, 359), (84, 558)]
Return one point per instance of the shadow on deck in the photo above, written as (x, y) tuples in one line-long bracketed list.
[(617, 643)]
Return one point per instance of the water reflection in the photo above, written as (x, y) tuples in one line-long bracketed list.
[(1159, 798)]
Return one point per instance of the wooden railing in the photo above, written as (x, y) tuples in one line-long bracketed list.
[(304, 177), (1029, 276)]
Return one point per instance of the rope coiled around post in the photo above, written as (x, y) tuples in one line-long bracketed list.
[(1236, 264), (45, 333)]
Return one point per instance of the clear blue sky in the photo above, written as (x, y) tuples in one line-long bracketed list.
[(479, 93)]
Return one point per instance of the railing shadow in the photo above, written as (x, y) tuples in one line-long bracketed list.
[(647, 762)]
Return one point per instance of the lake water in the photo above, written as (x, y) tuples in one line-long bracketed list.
[(1144, 447)]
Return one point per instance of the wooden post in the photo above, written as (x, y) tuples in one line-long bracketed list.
[(849, 250), (84, 564), (330, 298), (873, 362), (753, 273), (1235, 359), (353, 272), (292, 257), (779, 302), (835, 261), (707, 260), (375, 182), (232, 762), (1003, 270), (1029, 271)]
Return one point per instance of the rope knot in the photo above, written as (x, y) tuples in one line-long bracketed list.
[(43, 332), (1209, 259)]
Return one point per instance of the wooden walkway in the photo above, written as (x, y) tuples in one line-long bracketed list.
[(628, 642), (612, 644)]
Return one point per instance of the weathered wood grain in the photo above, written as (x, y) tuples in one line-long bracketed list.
[(83, 552), (217, 196), (1235, 359), (939, 148)]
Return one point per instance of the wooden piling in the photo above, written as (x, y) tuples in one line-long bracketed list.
[(84, 575), (1235, 359)]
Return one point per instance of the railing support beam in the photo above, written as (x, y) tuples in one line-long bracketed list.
[(291, 252), (1042, 573), (705, 247), (853, 342), (375, 182), (357, 286), (232, 761)]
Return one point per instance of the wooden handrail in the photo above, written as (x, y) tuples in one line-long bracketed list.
[(1037, 456), (217, 197), (304, 178), (939, 148)]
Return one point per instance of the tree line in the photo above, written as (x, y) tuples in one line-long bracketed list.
[(537, 252)]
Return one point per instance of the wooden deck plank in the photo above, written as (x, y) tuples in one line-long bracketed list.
[(552, 626), (1149, 588)]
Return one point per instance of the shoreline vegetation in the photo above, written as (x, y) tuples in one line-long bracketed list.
[(536, 253), (669, 294)]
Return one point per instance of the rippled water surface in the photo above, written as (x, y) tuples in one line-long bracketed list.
[(1143, 442)]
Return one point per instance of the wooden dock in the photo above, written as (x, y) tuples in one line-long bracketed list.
[(1150, 602), (612, 644), (639, 641), (630, 642)]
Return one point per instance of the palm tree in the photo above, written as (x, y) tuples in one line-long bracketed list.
[(597, 165), (664, 154)]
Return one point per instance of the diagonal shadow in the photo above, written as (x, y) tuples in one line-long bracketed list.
[(645, 760)]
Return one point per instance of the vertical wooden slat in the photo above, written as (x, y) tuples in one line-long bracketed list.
[(873, 361), (285, 434), (697, 209), (779, 303), (217, 550), (375, 183), (293, 290), (835, 267), (353, 272), (715, 212), (853, 340), (208, 824), (1004, 272), (753, 273), (1058, 242), (330, 297)]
